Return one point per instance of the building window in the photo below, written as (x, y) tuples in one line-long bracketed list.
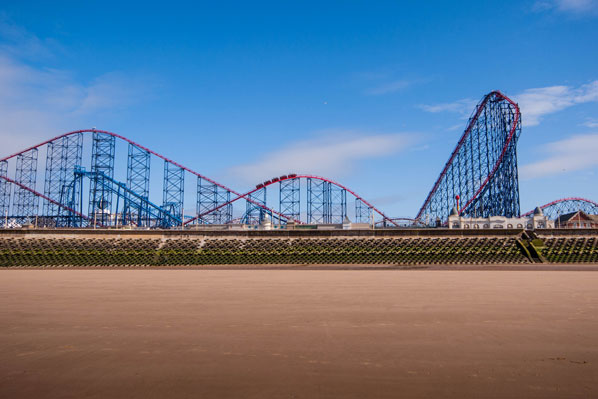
[(509, 226), (519, 226), (486, 226)]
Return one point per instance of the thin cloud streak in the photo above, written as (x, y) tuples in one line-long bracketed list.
[(591, 123), (35, 100), (332, 156), (390, 87), (567, 6), (463, 106), (576, 153), (534, 103), (538, 102)]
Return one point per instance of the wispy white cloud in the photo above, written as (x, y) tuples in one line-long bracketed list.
[(538, 102), (534, 103), (18, 42), (567, 6), (463, 106), (388, 199), (36, 100), (389, 87), (576, 153), (591, 123), (455, 127), (332, 155)]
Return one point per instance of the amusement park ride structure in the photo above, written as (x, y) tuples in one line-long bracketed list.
[(481, 172)]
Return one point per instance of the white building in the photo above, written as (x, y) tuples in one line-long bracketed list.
[(535, 221)]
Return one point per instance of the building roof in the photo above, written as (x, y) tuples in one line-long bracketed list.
[(568, 216), (538, 211)]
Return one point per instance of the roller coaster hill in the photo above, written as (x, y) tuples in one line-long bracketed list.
[(96, 178)]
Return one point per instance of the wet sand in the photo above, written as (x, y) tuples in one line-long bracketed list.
[(298, 334)]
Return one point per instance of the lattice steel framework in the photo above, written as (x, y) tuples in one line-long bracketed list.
[(174, 188), (5, 188), (254, 214), (125, 195), (326, 198), (102, 161), (336, 204), (62, 156), (363, 213), (209, 197), (482, 170), (290, 198), (25, 203), (326, 202), (564, 206), (73, 190), (138, 175), (316, 200)]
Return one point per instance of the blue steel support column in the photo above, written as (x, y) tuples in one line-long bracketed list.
[(138, 174), (5, 188), (225, 214), (73, 198), (210, 196), (317, 194), (337, 204), (253, 213), (102, 161), (25, 203), (290, 198), (363, 213), (173, 190), (61, 158)]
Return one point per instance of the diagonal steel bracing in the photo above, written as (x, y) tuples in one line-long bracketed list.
[(481, 176)]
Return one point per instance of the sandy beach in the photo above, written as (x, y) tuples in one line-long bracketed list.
[(298, 334)]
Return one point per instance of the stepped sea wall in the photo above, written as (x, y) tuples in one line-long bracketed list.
[(31, 247)]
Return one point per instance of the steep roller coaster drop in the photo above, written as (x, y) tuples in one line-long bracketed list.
[(481, 172)]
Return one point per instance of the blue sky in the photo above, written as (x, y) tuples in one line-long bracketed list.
[(372, 95)]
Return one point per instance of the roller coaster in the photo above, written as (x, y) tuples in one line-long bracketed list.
[(97, 189), (481, 172), (564, 206), (119, 203)]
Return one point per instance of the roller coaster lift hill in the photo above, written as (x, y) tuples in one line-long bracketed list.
[(481, 172)]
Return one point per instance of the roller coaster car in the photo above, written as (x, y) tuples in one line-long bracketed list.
[(259, 186), (267, 182), (292, 175), (275, 179), (283, 177)]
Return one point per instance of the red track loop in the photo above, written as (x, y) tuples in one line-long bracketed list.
[(239, 195), (559, 201)]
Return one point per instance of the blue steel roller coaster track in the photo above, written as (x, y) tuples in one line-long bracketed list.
[(481, 173), (237, 195)]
